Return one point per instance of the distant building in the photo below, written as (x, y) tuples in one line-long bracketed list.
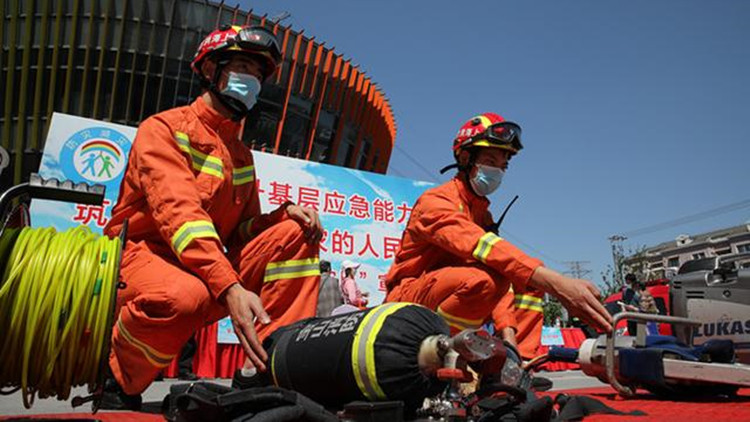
[(122, 61), (667, 257)]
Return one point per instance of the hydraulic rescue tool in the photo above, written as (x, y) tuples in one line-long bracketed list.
[(716, 292), (660, 364)]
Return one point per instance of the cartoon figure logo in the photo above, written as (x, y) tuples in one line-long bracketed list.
[(97, 154)]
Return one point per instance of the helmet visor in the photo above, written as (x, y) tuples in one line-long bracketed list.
[(502, 134), (259, 39), (505, 134)]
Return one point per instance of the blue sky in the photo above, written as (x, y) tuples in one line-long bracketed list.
[(634, 112)]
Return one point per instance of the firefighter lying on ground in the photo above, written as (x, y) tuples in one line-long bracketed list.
[(198, 247), (449, 260)]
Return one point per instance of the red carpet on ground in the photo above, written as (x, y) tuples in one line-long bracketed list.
[(101, 416), (714, 410)]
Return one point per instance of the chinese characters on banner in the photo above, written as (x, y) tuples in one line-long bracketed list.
[(355, 206), (363, 214)]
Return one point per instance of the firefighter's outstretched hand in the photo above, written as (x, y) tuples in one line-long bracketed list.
[(309, 220), (580, 297), (244, 306)]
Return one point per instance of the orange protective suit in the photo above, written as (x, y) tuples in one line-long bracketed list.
[(449, 263), (189, 194), (522, 310)]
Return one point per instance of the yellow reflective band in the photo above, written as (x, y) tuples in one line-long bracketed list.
[(458, 322), (243, 175), (370, 354), (273, 369), (181, 136), (360, 371), (535, 308), (294, 268), (528, 298), (156, 358), (487, 144), (190, 231), (363, 350), (207, 164), (484, 246), (529, 302), (202, 162)]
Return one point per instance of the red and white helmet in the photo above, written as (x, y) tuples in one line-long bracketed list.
[(255, 41), (488, 130)]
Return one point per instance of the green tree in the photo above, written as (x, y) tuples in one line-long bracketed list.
[(552, 311), (633, 261)]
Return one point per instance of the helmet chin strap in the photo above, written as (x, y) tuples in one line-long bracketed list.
[(448, 167), (235, 106), (456, 165), (465, 169)]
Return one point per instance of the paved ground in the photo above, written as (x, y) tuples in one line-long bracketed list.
[(13, 404)]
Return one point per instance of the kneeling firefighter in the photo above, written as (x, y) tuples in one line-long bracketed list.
[(451, 261), (198, 247)]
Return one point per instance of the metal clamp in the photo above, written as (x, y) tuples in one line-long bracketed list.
[(609, 357)]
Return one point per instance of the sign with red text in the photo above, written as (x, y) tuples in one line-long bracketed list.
[(363, 213)]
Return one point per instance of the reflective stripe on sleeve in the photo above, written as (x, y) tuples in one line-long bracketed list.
[(190, 231), (484, 246), (202, 162), (243, 175), (294, 268), (529, 302), (363, 350), (458, 322)]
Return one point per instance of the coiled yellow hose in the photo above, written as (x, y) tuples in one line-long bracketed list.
[(55, 298)]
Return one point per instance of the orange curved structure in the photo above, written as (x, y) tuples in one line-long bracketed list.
[(126, 60)]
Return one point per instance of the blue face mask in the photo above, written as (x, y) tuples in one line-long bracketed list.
[(487, 179), (243, 87)]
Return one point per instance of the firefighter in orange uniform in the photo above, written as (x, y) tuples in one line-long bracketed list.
[(451, 262), (198, 247), (518, 319)]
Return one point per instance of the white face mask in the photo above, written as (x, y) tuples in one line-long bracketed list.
[(243, 87), (487, 179)]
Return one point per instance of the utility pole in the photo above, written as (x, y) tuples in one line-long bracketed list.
[(577, 269), (616, 241)]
